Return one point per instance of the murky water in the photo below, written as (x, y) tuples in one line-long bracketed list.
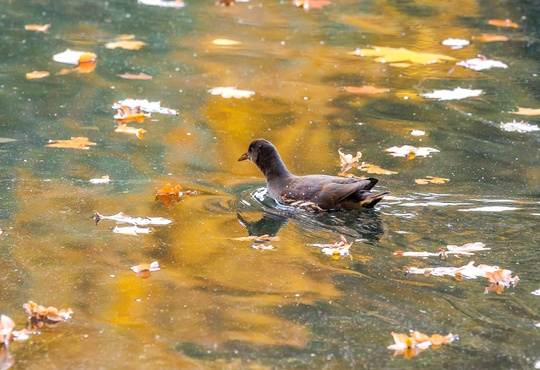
[(218, 302)]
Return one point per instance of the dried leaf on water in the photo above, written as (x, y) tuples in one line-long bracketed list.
[(144, 269), (139, 76), (73, 56), (231, 92), (371, 168), (259, 239), (432, 180), (103, 180), (527, 111), (37, 27), (125, 129), (465, 249), (455, 43), (145, 106), (456, 94), (50, 313), (126, 44), (37, 74), (6, 327), (338, 249), (80, 142), (503, 23), (168, 194), (393, 55), (226, 42), (347, 161), (125, 114), (481, 63), (163, 3), (418, 133), (411, 345), (410, 152), (521, 127), (137, 221)]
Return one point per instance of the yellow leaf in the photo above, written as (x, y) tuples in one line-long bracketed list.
[(371, 168), (393, 55), (431, 179), (527, 111), (225, 42)]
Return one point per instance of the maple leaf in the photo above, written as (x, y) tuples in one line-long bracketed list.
[(393, 55), (74, 143)]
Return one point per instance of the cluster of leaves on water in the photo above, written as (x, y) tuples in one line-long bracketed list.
[(410, 345), (38, 317)]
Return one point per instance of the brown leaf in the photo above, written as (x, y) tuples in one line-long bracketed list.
[(431, 179), (140, 76), (37, 74), (527, 111), (74, 143), (169, 190), (371, 168), (503, 23), (366, 90)]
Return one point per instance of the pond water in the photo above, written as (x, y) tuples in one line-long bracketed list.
[(217, 302)]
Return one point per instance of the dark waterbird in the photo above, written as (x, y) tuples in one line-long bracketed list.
[(316, 192)]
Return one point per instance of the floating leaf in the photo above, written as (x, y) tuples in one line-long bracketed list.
[(125, 129), (138, 221), (488, 37), (456, 94), (231, 92), (366, 90), (503, 23), (6, 327), (74, 143), (225, 42), (143, 105), (103, 180), (125, 114), (144, 269), (411, 345), (347, 161), (527, 111), (131, 230), (371, 168), (431, 179), (536, 292), (37, 27), (50, 313), (418, 133), (466, 249), (74, 57), (126, 44), (169, 194), (163, 3), (481, 63), (456, 43), (37, 74), (140, 76), (410, 151), (258, 239), (336, 250), (393, 55), (520, 127)]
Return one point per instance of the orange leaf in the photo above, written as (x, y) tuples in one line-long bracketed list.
[(125, 129), (503, 23), (489, 37), (371, 168), (140, 76), (73, 143), (37, 74), (37, 27), (366, 90), (126, 44)]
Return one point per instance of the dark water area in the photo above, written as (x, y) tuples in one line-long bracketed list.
[(218, 302)]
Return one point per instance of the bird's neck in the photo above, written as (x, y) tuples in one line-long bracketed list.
[(273, 167)]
